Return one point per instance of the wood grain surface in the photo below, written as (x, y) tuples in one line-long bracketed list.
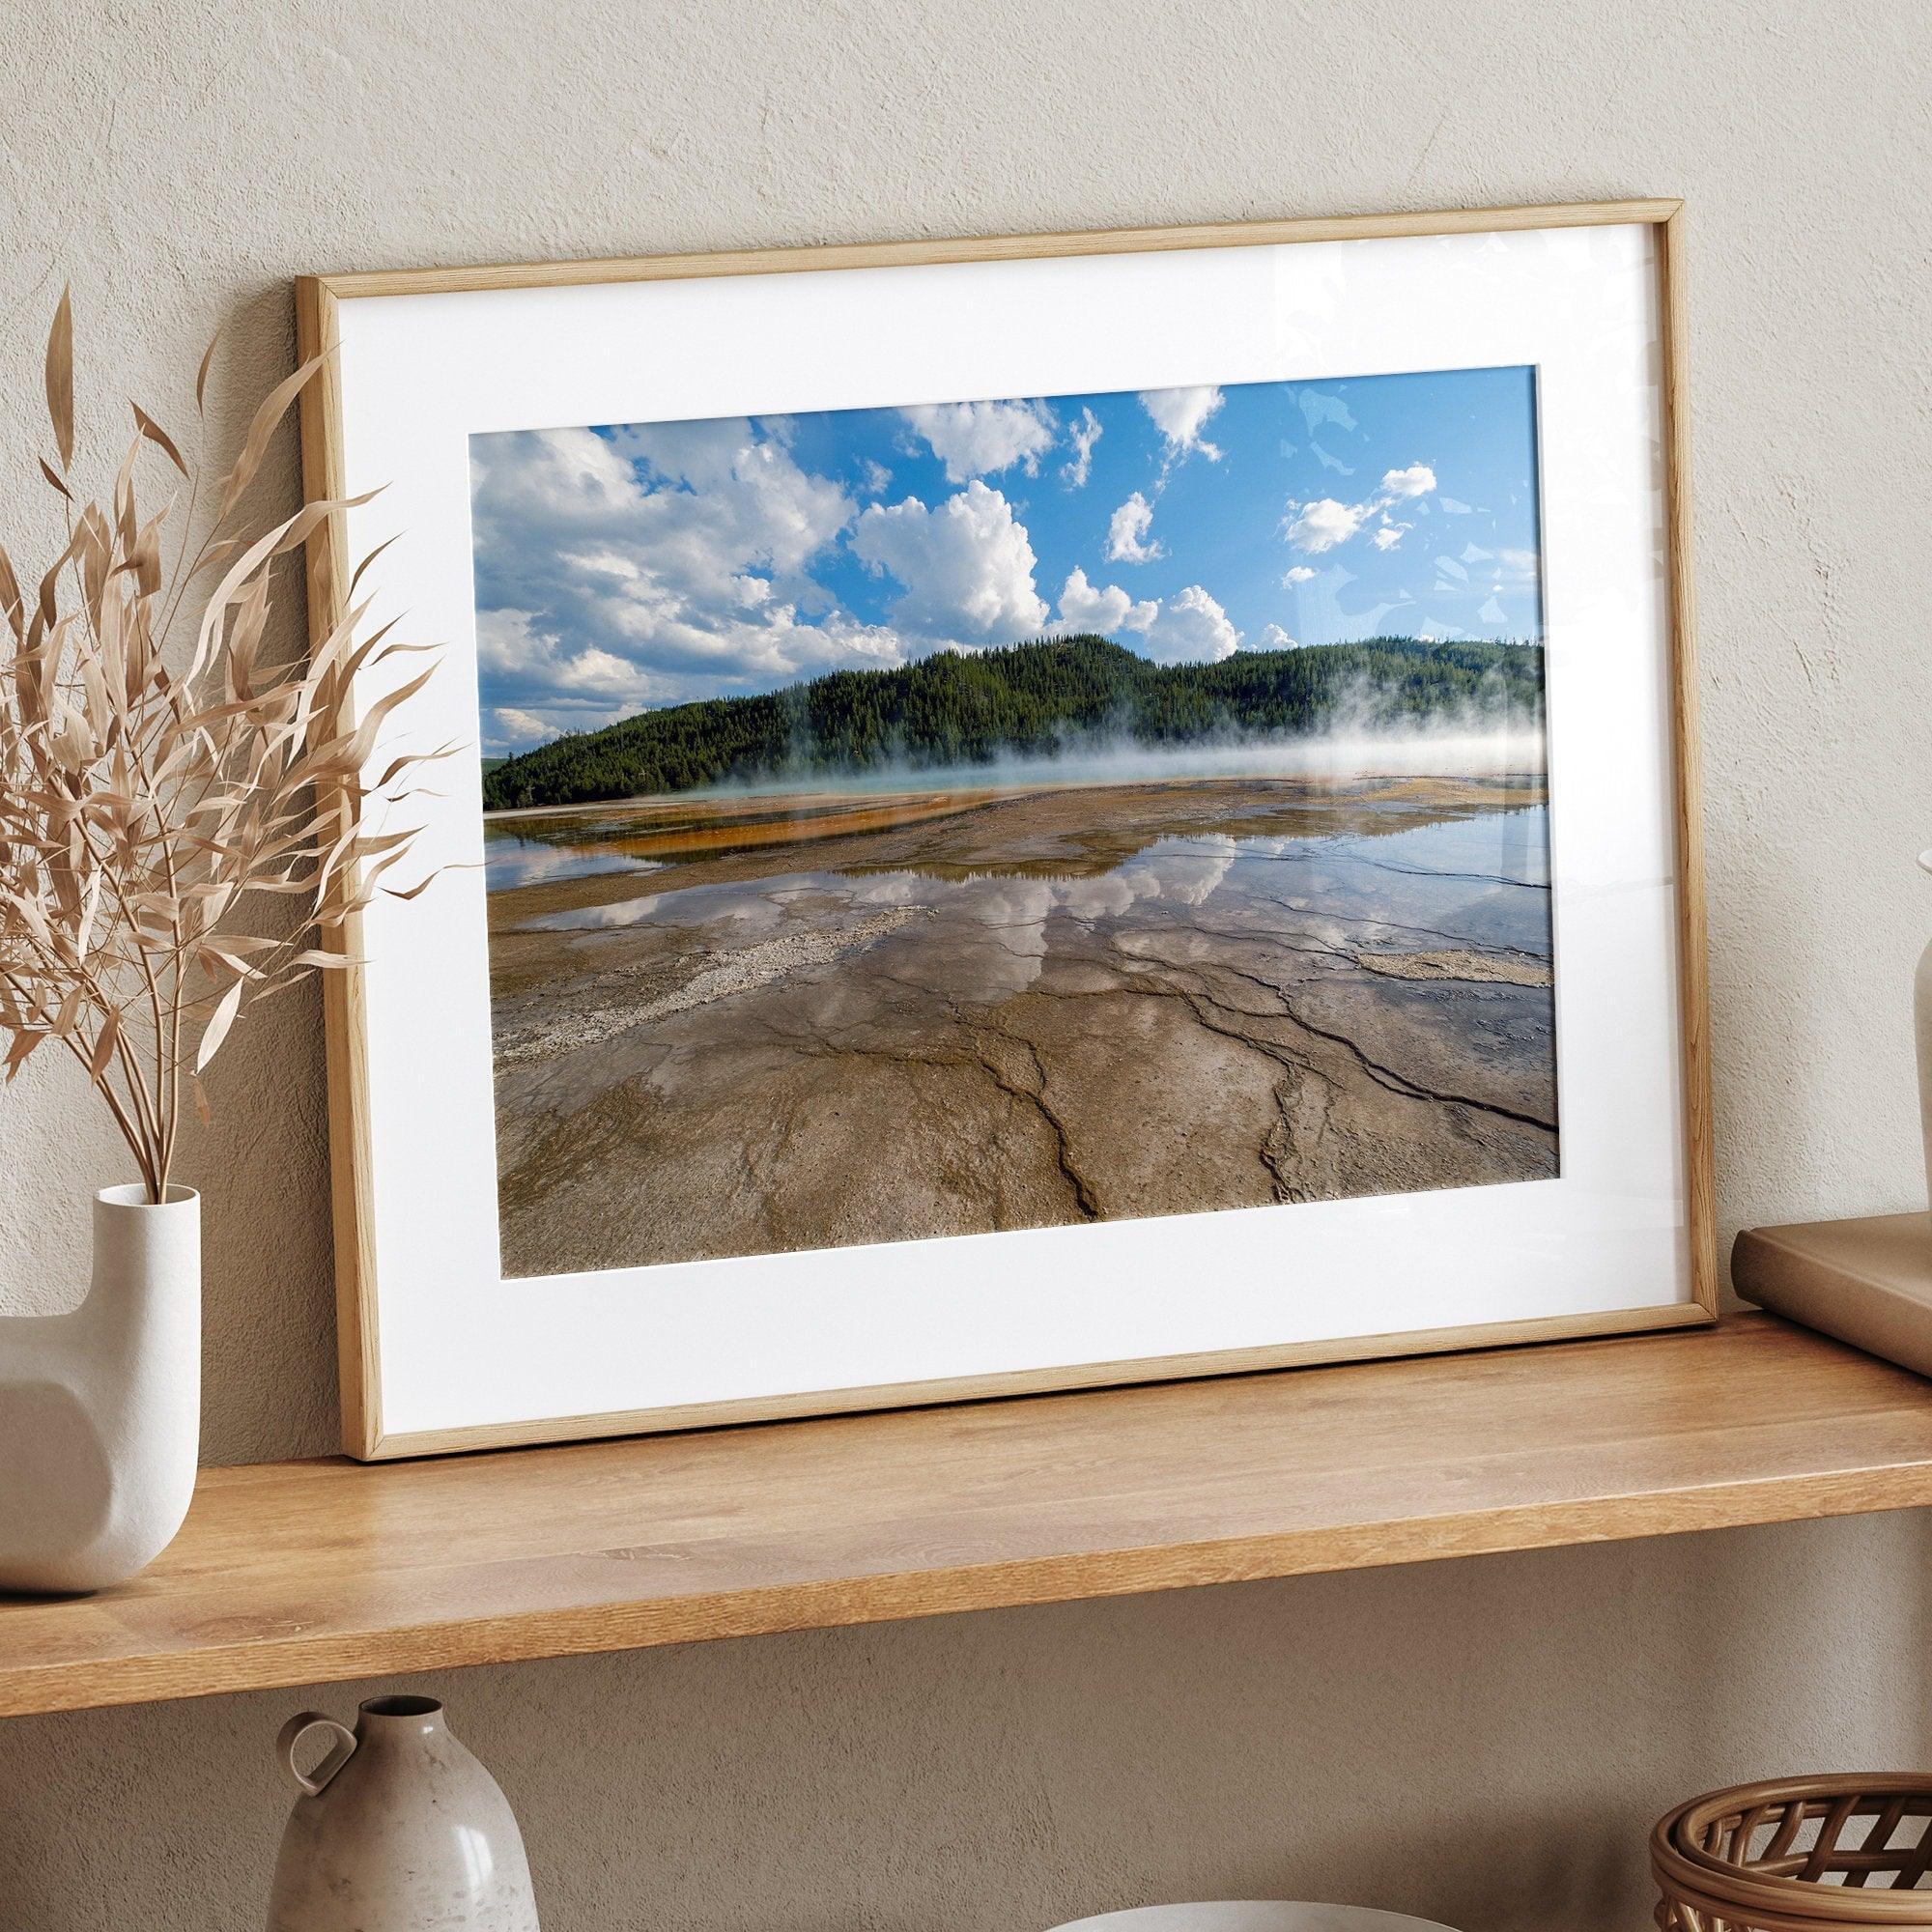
[(917, 253), (295, 1573)]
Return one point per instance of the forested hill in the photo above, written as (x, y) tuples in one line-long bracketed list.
[(1033, 698)]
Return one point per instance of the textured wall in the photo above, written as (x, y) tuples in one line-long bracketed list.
[(1480, 1741)]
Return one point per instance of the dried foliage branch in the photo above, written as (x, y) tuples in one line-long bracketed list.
[(146, 817)]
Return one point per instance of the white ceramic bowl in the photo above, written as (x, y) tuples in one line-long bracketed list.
[(1252, 1915)]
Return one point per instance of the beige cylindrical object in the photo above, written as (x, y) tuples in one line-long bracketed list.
[(399, 1828)]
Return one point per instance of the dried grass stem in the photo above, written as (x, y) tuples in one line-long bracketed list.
[(147, 816)]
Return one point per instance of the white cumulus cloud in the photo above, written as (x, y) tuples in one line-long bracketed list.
[(1128, 532), (1083, 436), (512, 728), (1180, 415), (1297, 574), (651, 565), (1085, 607), (588, 678), (1190, 628), (1274, 638), (982, 439), (1324, 523), (967, 567)]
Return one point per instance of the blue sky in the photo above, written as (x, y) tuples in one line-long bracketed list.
[(624, 568)]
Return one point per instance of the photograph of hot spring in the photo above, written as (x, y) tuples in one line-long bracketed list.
[(970, 816)]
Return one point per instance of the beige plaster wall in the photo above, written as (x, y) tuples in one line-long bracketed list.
[(1481, 1742)]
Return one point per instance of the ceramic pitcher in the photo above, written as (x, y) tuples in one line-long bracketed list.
[(398, 1829)]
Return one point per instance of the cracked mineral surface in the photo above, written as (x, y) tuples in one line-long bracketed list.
[(740, 1025)]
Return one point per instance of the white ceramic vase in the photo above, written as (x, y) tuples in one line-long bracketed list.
[(1921, 1016), (101, 1408), (399, 1828)]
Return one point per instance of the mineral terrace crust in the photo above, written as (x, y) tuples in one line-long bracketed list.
[(1024, 1009)]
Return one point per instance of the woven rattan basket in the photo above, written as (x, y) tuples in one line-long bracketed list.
[(1798, 1855)]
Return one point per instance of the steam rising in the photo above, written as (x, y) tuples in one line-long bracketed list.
[(1361, 742), (1496, 753)]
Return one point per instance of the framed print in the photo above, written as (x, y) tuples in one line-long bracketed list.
[(1029, 813)]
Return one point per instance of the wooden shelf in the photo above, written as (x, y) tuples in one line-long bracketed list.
[(294, 1573)]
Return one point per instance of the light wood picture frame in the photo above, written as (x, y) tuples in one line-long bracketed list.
[(383, 333)]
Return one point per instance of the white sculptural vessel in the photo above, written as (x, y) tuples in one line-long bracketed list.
[(1921, 1016), (101, 1408)]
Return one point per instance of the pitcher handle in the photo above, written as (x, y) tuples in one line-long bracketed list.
[(339, 1752)]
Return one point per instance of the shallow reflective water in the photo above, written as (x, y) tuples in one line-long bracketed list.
[(1479, 881), (510, 859)]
